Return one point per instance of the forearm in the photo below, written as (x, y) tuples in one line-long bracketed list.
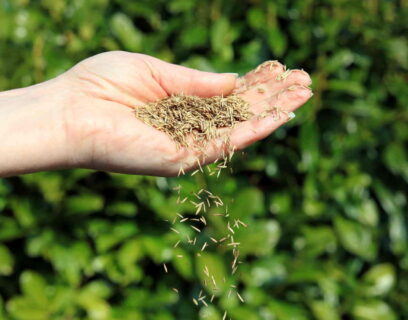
[(32, 133)]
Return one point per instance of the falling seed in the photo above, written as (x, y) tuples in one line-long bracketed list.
[(245, 225), (181, 171), (213, 240), (174, 230), (199, 165), (234, 244), (223, 239), (195, 172), (240, 298)]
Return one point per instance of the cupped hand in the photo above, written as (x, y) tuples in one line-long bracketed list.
[(104, 134)]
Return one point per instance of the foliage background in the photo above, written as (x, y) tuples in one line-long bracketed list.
[(325, 196)]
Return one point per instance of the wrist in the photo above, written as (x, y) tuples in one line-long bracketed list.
[(33, 129)]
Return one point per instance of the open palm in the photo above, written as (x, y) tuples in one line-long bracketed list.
[(107, 87)]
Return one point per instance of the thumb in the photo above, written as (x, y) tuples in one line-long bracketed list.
[(175, 79)]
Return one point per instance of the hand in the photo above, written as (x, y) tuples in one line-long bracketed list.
[(100, 131)]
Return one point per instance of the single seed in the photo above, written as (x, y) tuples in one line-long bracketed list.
[(240, 298), (204, 246), (195, 172), (174, 230)]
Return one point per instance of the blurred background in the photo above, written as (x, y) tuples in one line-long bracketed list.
[(325, 197)]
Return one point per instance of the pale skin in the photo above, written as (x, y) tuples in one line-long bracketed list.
[(84, 118)]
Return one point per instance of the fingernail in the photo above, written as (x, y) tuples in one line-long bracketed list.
[(236, 75)]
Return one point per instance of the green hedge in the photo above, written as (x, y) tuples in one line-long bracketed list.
[(325, 196)]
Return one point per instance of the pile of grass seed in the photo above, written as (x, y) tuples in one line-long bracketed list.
[(184, 117)]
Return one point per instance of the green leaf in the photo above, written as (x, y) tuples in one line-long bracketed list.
[(379, 280), (277, 41), (184, 265), (216, 269), (324, 311), (309, 143), (124, 29), (130, 252), (373, 310), (397, 223), (284, 311), (256, 18), (396, 159), (318, 240), (6, 261), (21, 308), (23, 210), (221, 39), (348, 86), (259, 238), (122, 208), (85, 203), (247, 202), (34, 288), (356, 238)]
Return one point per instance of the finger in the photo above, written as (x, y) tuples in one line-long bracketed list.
[(271, 83), (258, 127), (175, 79), (267, 71)]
